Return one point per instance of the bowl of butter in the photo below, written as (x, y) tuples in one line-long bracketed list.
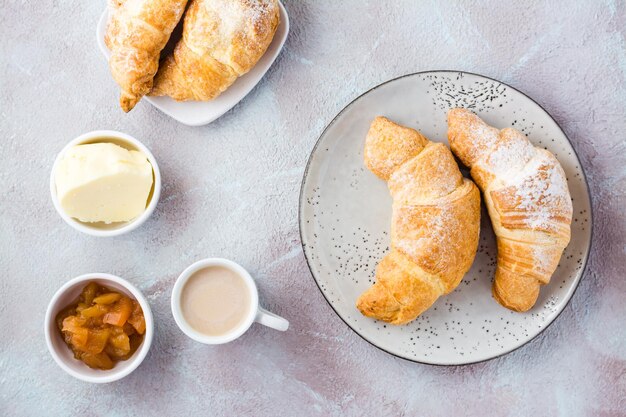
[(105, 183)]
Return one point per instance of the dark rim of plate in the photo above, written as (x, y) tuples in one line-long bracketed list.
[(301, 199)]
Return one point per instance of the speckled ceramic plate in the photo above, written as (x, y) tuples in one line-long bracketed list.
[(345, 214)]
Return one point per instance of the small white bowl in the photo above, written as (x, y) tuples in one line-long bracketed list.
[(62, 354), (102, 229)]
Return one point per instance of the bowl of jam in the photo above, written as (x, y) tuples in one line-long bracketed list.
[(99, 327)]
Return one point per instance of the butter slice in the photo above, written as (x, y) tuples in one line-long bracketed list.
[(103, 182)]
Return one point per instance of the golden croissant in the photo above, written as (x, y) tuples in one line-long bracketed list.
[(136, 33), (434, 227), (222, 40), (526, 194)]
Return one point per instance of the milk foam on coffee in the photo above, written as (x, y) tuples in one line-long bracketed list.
[(215, 300)]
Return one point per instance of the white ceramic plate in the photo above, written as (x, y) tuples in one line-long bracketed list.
[(198, 113), (345, 214)]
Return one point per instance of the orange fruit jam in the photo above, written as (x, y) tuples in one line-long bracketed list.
[(102, 326)]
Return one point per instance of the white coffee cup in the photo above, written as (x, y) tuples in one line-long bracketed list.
[(255, 314)]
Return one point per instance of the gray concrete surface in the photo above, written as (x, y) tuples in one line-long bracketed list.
[(231, 189)]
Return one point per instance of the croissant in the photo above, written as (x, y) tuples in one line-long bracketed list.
[(222, 40), (526, 195), (136, 33), (434, 227)]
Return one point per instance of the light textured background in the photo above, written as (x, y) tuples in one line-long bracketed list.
[(231, 189)]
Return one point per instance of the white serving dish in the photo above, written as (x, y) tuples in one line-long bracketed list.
[(198, 113), (345, 213)]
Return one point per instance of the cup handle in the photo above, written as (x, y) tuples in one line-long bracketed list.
[(272, 320)]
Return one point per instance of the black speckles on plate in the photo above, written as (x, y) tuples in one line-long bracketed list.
[(478, 95)]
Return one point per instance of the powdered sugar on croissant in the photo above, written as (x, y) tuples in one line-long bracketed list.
[(136, 33), (434, 226), (222, 40), (526, 194)]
